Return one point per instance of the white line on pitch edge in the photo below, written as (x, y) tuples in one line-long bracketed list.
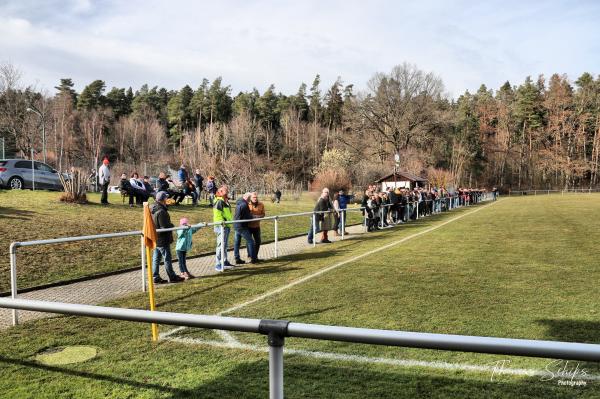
[(382, 360)]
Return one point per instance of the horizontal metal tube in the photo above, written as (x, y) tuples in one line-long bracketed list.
[(462, 343), (144, 316)]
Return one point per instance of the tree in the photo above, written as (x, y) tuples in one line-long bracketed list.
[(400, 108), (91, 97)]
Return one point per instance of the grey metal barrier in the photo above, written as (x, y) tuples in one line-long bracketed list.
[(278, 330)]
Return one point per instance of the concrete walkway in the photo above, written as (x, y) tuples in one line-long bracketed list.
[(104, 289)]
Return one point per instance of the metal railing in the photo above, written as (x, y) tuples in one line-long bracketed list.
[(14, 245), (546, 192), (278, 330)]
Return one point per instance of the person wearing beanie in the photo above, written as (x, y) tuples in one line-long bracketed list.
[(184, 244), (104, 180), (162, 220)]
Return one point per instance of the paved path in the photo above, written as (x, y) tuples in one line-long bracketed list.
[(103, 289)]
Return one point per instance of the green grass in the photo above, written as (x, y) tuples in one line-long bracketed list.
[(27, 215), (522, 268)]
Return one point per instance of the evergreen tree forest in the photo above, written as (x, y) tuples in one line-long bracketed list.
[(539, 133)]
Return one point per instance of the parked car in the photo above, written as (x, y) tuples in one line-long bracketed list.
[(18, 174)]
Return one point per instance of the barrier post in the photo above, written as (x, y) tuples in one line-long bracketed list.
[(276, 236), (13, 280), (314, 228), (222, 246), (143, 264), (343, 222), (275, 367), (417, 216), (366, 221), (381, 216)]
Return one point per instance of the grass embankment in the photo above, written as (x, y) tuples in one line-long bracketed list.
[(521, 268), (27, 215)]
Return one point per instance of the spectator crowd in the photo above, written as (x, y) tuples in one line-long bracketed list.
[(380, 209)]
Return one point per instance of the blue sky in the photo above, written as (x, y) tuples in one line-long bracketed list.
[(256, 43)]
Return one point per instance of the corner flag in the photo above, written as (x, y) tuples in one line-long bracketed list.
[(149, 232)]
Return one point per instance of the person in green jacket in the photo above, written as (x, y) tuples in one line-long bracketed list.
[(183, 245), (222, 213)]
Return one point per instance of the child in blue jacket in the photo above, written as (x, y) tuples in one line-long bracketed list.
[(184, 244)]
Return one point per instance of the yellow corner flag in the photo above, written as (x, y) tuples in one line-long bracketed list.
[(149, 232)]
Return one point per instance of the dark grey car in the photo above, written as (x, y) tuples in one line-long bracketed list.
[(20, 174)]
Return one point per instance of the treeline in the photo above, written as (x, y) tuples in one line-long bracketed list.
[(540, 133)]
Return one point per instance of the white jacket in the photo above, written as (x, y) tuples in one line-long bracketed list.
[(103, 174), (135, 183)]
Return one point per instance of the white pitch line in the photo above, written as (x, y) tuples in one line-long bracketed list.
[(494, 370), (327, 269), (330, 268)]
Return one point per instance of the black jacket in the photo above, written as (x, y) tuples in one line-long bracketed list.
[(162, 220), (322, 206), (242, 212), (125, 186), (162, 185), (198, 180)]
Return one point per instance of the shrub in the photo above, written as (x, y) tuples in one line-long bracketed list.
[(334, 179), (74, 187)]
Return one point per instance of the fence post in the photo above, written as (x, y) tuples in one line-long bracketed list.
[(343, 222), (381, 216), (365, 220), (13, 280), (276, 236), (143, 252), (417, 216), (222, 246), (314, 228)]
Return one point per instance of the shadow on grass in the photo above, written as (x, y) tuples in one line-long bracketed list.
[(17, 214), (66, 372), (307, 313), (582, 331), (318, 379)]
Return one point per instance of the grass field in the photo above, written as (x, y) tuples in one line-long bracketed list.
[(522, 268), (27, 215)]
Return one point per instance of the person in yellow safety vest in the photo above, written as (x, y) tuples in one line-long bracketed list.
[(222, 213)]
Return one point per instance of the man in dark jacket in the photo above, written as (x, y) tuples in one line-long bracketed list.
[(198, 179), (242, 212), (126, 189), (162, 220), (323, 205)]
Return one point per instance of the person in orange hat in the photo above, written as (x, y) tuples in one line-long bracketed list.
[(104, 180)]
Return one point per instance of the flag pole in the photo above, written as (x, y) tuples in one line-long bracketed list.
[(151, 293), (150, 241)]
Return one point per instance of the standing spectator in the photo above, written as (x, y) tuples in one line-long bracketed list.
[(344, 200), (323, 205), (198, 179), (222, 213), (242, 212), (182, 174), (277, 196), (183, 246), (336, 214), (104, 180), (211, 189), (257, 209), (162, 220)]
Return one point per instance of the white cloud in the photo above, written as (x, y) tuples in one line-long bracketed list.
[(256, 43)]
